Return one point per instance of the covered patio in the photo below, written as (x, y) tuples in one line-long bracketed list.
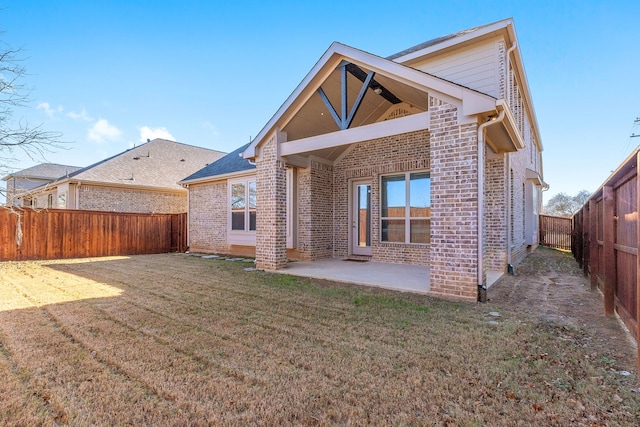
[(397, 277)]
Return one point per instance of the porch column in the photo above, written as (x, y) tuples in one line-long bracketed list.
[(454, 205), (271, 217)]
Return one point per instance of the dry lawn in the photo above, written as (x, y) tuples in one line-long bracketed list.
[(179, 340)]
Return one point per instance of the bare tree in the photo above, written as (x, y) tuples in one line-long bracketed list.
[(564, 205), (18, 135)]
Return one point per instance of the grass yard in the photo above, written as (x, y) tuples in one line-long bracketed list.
[(178, 340)]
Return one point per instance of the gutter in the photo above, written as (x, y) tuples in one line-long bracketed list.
[(482, 287)]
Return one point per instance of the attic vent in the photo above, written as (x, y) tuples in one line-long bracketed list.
[(399, 110), (182, 160)]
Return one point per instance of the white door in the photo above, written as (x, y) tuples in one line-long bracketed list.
[(361, 218)]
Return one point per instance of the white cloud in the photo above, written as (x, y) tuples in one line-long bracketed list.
[(51, 112), (102, 131), (147, 133), (213, 130), (82, 115)]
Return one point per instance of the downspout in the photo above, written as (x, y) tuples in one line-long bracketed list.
[(188, 217), (482, 294)]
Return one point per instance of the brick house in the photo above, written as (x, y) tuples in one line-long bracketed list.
[(142, 179), (33, 177), (431, 156)]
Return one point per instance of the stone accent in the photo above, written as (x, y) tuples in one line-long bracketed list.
[(271, 225), (117, 199), (454, 204)]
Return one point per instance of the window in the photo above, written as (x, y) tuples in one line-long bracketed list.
[(406, 208), (243, 206), (62, 200)]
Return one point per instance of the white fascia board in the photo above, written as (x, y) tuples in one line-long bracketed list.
[(215, 178), (362, 133), (456, 40)]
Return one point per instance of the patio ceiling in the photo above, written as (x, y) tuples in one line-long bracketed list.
[(314, 118)]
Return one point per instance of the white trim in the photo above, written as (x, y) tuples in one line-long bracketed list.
[(214, 178), (244, 237), (407, 207), (363, 133)]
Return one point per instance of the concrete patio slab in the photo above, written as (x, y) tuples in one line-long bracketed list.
[(400, 277)]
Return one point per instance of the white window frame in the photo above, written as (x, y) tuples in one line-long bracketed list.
[(407, 208), (244, 237)]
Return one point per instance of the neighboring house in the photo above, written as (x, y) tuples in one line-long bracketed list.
[(142, 179), (431, 156), (35, 176)]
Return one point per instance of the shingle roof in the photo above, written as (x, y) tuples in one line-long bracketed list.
[(230, 163), (44, 171), (159, 163), (437, 40)]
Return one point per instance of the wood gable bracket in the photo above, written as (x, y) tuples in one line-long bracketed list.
[(344, 119)]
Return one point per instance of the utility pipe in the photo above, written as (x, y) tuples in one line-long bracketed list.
[(507, 155), (481, 144)]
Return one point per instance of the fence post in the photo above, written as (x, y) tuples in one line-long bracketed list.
[(638, 258), (594, 266), (584, 241), (609, 220)]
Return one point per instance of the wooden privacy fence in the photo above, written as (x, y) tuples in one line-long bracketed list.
[(555, 232), (26, 234), (606, 243)]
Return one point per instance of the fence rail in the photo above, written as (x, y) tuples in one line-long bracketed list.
[(606, 243), (26, 234), (555, 232)]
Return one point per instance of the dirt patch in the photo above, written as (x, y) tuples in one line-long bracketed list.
[(550, 286)]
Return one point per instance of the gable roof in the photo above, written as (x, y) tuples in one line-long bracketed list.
[(49, 171), (231, 163), (157, 164), (450, 39), (473, 102)]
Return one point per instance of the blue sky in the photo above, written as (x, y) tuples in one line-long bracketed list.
[(109, 74)]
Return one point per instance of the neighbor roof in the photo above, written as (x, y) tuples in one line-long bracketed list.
[(44, 171), (231, 163), (159, 163)]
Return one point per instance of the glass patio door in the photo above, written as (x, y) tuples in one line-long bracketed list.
[(361, 218)]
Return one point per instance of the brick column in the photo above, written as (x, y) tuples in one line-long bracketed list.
[(454, 204), (271, 218)]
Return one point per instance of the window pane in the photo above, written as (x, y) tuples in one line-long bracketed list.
[(252, 220), (237, 196), (420, 231), (237, 220), (393, 230), (252, 195), (393, 196), (420, 195)]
